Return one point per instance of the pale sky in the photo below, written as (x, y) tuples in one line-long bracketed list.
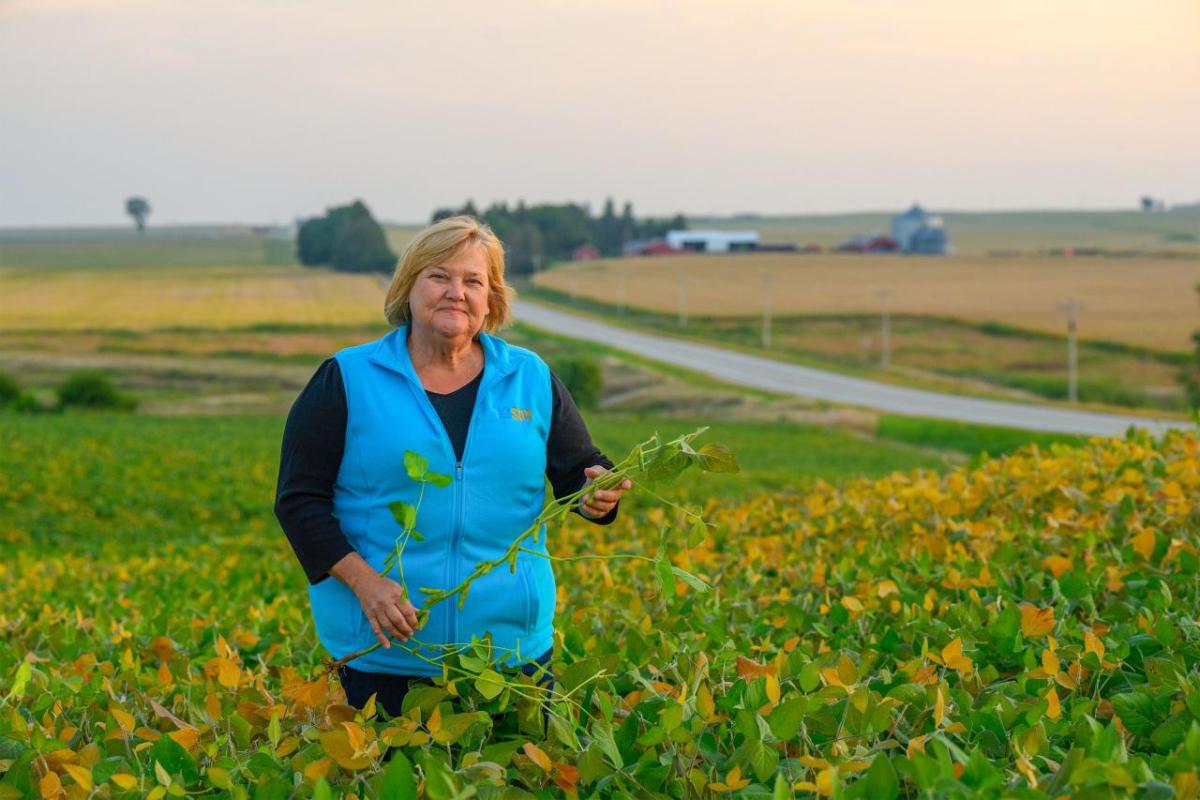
[(261, 110)]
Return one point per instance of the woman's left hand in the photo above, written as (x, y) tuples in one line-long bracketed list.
[(598, 503)]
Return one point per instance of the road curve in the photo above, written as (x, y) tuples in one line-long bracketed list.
[(784, 378)]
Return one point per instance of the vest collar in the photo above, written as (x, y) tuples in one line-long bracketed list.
[(391, 352)]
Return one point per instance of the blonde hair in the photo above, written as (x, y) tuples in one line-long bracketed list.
[(437, 244)]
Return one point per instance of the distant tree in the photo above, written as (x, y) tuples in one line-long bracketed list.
[(607, 231), (1147, 203), (524, 249), (470, 210), (628, 225), (139, 209), (314, 241), (441, 214), (347, 238)]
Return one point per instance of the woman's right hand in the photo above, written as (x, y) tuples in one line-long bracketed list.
[(387, 609)]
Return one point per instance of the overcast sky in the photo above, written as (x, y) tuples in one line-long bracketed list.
[(259, 111)]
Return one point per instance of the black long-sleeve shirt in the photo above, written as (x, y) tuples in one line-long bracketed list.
[(314, 439)]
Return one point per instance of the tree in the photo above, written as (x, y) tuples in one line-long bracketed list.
[(139, 209), (347, 238)]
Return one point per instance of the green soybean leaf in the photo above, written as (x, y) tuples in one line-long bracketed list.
[(398, 781), (490, 684), (404, 514), (22, 679), (415, 464), (763, 759), (690, 579), (880, 781), (438, 479), (665, 576), (786, 718), (175, 760), (717, 458)]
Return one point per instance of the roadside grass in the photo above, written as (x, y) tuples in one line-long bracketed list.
[(977, 441)]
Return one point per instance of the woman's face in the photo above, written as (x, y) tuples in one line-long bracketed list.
[(451, 299)]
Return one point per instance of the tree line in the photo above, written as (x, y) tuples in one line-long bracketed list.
[(536, 236), (348, 238)]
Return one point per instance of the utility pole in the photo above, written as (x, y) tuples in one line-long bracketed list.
[(681, 296), (574, 283), (885, 328), (621, 270), (1072, 309), (768, 281)]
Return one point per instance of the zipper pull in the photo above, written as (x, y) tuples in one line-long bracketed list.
[(458, 471)]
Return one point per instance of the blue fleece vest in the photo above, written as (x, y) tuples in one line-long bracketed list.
[(497, 491)]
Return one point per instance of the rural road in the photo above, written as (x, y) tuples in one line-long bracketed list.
[(784, 378)]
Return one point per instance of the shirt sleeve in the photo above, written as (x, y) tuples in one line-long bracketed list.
[(314, 439), (569, 449)]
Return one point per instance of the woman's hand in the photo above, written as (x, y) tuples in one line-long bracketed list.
[(387, 609), (598, 503)]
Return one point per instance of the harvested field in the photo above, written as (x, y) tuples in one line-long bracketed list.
[(1149, 302)]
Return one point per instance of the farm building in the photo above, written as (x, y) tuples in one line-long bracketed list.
[(647, 247), (918, 231), (585, 252), (713, 241), (868, 243)]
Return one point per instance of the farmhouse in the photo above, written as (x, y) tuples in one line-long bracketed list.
[(713, 241)]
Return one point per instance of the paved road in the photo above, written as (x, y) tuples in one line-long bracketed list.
[(784, 378)]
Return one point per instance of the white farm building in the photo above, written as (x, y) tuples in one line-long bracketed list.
[(713, 241)]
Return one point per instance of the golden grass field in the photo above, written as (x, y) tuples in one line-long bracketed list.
[(1144, 301), (135, 298)]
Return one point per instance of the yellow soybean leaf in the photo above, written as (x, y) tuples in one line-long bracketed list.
[(1057, 565), (1036, 622), (1092, 644), (337, 746), (123, 718), (356, 736), (846, 671), (939, 707), (537, 756), (50, 786), (773, 690), (704, 703), (825, 782), (732, 783), (228, 673), (124, 780), (1143, 544), (1054, 709), (852, 604), (886, 588), (185, 737), (1050, 663), (316, 770), (81, 775)]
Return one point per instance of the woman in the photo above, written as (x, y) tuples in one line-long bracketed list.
[(489, 414)]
